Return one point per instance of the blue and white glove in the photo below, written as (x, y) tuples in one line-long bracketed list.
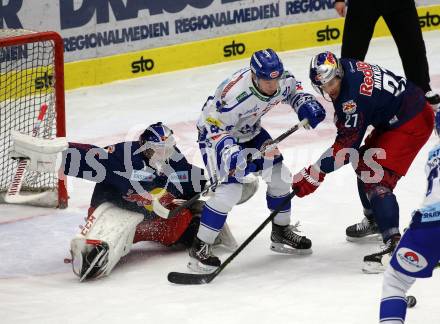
[(306, 106), (313, 111), (231, 159), (236, 163)]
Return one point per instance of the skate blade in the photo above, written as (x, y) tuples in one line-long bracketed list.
[(369, 238), (373, 268), (196, 266), (285, 249)]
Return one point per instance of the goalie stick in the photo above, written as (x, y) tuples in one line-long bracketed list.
[(202, 278), (12, 195), (166, 213)]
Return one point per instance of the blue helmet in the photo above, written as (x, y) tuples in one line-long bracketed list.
[(156, 133), (266, 64), (323, 68)]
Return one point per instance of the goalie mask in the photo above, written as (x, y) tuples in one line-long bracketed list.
[(158, 143), (324, 67)]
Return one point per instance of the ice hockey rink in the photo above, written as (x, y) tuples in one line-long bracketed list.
[(259, 286)]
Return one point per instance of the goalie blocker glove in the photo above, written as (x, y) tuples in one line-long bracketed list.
[(43, 154), (307, 181)]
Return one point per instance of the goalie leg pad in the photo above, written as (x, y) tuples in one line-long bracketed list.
[(250, 187), (106, 237), (43, 154)]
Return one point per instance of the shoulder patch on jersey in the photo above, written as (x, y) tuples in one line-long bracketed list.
[(299, 86), (142, 175), (230, 85), (410, 260), (349, 107), (180, 176), (241, 96), (214, 121)]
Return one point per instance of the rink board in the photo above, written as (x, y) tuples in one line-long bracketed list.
[(222, 49)]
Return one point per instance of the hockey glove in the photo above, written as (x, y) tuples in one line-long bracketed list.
[(307, 181), (239, 166), (313, 111), (234, 162), (269, 150)]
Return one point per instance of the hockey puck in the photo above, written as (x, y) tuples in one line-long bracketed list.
[(411, 301)]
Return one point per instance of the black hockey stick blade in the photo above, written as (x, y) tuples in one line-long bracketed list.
[(183, 278)]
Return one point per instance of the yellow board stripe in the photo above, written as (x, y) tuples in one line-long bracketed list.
[(34, 82), (210, 51)]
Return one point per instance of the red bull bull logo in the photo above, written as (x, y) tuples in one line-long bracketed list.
[(143, 199), (330, 59), (349, 107)]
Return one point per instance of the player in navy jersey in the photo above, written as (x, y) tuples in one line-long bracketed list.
[(367, 95), (130, 177), (418, 252)]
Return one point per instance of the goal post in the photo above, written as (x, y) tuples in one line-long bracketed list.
[(31, 75)]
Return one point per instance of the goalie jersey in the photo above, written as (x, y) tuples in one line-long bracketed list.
[(125, 178)]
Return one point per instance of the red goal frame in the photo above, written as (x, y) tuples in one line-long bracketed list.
[(34, 37)]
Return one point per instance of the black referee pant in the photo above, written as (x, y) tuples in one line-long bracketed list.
[(403, 22)]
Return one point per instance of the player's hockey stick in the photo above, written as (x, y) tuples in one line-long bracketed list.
[(166, 213), (12, 195), (202, 278)]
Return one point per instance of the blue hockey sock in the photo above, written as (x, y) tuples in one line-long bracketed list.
[(283, 217), (364, 200), (211, 223), (386, 211), (393, 309)]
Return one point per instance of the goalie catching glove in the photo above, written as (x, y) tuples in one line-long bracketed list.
[(307, 181), (43, 154)]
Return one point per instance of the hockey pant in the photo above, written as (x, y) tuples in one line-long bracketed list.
[(165, 231), (227, 195), (401, 146), (416, 255)]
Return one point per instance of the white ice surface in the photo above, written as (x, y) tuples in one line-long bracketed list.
[(258, 286)]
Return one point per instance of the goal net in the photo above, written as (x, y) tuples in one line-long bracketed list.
[(31, 75)]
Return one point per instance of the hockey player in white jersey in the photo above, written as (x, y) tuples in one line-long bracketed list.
[(229, 130), (418, 251)]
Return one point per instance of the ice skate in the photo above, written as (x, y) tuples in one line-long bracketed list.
[(201, 257), (377, 262), (367, 230), (285, 240)]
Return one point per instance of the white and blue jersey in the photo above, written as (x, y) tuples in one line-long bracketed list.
[(418, 252)]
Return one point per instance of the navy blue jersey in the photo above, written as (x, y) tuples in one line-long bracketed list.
[(370, 96), (125, 178)]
